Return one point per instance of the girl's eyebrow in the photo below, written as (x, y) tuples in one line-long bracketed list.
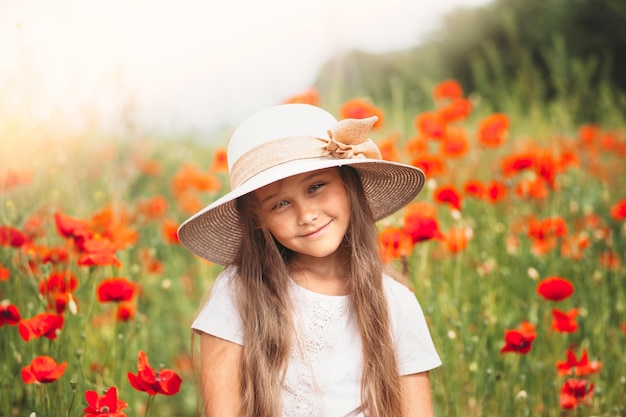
[(312, 175)]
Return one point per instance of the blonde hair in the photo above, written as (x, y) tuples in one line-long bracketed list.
[(266, 311)]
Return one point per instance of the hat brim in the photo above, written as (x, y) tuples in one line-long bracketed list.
[(214, 233)]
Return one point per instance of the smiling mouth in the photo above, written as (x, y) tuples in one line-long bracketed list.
[(316, 232)]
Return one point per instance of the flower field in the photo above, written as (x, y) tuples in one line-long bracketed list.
[(516, 250)]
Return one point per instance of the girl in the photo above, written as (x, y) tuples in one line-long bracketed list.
[(303, 321)]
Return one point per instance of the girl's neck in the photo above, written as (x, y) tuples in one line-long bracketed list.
[(325, 276)]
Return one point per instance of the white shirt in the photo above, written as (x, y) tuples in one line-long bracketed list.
[(324, 373)]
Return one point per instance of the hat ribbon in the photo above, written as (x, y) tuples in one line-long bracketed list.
[(346, 140)]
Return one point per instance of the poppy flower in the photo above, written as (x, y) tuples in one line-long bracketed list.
[(107, 405), (43, 369), (115, 289), (588, 133), (609, 259), (150, 167), (519, 340), (493, 129), (9, 314), (420, 223), (154, 207), (126, 311), (576, 392), (57, 288), (555, 288), (431, 125), (580, 366), (432, 165), (220, 161), (513, 164), (457, 239), (495, 191), (448, 194), (456, 143), (395, 243), (43, 324), (70, 227), (388, 149), (10, 236), (169, 229), (564, 321), (358, 108), (532, 188), (474, 188), (618, 210), (310, 96), (447, 89), (416, 145), (5, 273), (165, 381), (458, 109)]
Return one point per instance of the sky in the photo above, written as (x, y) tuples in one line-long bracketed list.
[(184, 65)]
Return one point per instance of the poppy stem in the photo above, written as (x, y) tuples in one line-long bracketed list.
[(149, 405), (73, 385)]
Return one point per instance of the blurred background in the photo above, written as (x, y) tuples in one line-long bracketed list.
[(192, 65)]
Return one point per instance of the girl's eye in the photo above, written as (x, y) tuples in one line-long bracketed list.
[(316, 187), (279, 205)]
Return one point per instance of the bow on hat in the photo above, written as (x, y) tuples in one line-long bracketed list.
[(348, 139)]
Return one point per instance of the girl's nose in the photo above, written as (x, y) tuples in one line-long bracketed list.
[(306, 214)]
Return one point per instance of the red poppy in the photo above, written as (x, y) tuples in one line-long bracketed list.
[(43, 324), (458, 109), (10, 236), (153, 208), (588, 133), (431, 125), (220, 161), (55, 255), (474, 188), (57, 288), (9, 314), (531, 188), (43, 369), (609, 259), (388, 148), (493, 129), (519, 340), (457, 239), (149, 167), (515, 163), (106, 406), (456, 143), (447, 89), (576, 392), (5, 273), (358, 108), (71, 227), (555, 288), (618, 210), (115, 289), (165, 382), (310, 96), (395, 243), (420, 222), (448, 194), (126, 311), (495, 191), (169, 229), (564, 321), (432, 165), (580, 366)]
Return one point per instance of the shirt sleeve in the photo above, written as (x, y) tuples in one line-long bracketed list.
[(219, 315), (415, 348)]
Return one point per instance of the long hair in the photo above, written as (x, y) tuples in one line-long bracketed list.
[(266, 310)]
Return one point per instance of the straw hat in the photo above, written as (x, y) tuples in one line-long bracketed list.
[(287, 140)]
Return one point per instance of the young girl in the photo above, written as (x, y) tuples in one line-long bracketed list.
[(303, 321)]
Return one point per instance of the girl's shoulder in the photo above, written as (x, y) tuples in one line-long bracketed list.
[(395, 288)]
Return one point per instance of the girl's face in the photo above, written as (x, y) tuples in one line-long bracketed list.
[(308, 213)]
